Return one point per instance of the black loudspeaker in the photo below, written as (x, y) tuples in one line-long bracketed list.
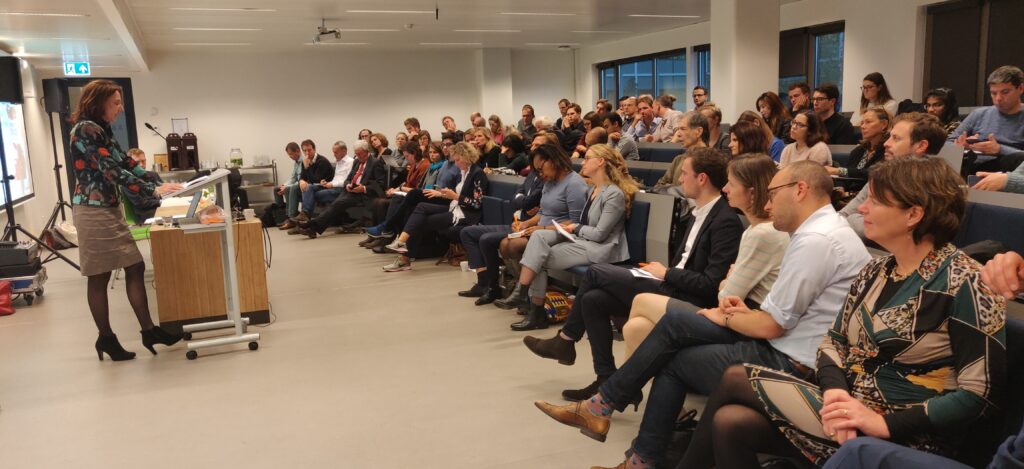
[(55, 96), (10, 80)]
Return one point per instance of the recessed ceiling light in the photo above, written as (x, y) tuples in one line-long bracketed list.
[(487, 30), (552, 44), (451, 44), (39, 13), (218, 29), (212, 44), (664, 16), (528, 13), (600, 32), (335, 43), (259, 10), (400, 12)]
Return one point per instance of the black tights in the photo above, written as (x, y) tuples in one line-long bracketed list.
[(135, 285), (734, 428)]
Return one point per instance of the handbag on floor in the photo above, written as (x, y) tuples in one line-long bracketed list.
[(6, 308)]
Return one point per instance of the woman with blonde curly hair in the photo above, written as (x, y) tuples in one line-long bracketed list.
[(600, 236), (490, 152)]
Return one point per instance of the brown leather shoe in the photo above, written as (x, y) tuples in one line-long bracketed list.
[(368, 240), (577, 415), (287, 225), (302, 217)]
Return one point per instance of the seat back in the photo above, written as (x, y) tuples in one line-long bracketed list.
[(636, 231), (139, 232), (503, 187), (659, 152), (841, 154), (493, 211), (992, 222)]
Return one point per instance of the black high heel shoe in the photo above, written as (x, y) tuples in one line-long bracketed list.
[(156, 335), (110, 346)]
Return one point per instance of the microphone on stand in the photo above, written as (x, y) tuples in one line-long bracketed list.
[(150, 127)]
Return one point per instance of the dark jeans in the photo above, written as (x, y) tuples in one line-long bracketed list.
[(684, 353), (401, 208), (425, 220), (315, 193), (481, 244), (293, 195), (337, 213), (866, 451), (606, 291)]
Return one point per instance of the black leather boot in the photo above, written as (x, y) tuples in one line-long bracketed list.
[(555, 348), (537, 319), (576, 395), (109, 345), (476, 291), (492, 295), (156, 335), (520, 295)]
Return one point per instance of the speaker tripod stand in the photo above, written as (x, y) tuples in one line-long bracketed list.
[(58, 208)]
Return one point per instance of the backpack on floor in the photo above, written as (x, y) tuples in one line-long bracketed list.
[(558, 305), (273, 215)]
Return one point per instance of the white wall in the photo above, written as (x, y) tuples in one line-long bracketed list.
[(540, 79)]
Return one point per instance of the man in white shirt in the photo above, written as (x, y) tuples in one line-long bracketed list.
[(326, 191), (689, 352)]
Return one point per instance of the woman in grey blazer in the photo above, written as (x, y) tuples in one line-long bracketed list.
[(600, 236)]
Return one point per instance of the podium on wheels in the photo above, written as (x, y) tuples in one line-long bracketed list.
[(218, 180)]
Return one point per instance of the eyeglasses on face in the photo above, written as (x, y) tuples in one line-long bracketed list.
[(819, 98), (774, 190), (799, 125)]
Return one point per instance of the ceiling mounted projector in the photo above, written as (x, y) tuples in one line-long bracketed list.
[(322, 31)]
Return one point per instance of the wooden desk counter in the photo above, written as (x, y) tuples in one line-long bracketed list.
[(190, 275)]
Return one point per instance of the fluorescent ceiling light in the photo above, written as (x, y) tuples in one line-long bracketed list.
[(335, 43), (368, 30), (487, 30), (601, 32), (528, 13), (400, 12), (664, 16), (552, 43), (263, 10), (451, 44), (218, 29), (212, 44), (36, 13)]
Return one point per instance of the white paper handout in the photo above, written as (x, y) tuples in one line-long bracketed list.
[(642, 273), (561, 230)]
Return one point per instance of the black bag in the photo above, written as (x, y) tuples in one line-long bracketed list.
[(275, 214)]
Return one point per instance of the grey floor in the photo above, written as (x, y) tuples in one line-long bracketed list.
[(361, 369)]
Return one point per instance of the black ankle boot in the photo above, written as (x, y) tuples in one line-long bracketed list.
[(576, 395), (520, 295), (492, 294), (537, 319), (476, 291), (555, 348), (156, 335), (108, 344)]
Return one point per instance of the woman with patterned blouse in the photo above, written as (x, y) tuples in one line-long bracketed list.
[(916, 355), (105, 244)]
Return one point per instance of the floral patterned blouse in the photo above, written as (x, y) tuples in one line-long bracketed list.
[(100, 166)]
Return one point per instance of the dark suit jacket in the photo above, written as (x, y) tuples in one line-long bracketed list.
[(840, 130), (374, 176), (714, 250), (471, 197)]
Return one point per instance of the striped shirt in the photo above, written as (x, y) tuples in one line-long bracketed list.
[(757, 264)]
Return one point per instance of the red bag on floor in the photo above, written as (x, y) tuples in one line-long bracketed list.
[(6, 308)]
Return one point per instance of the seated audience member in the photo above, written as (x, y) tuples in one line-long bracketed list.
[(315, 168), (479, 122), (838, 130), (415, 170), (622, 142), (716, 138), (401, 139), (513, 154), (669, 119), (572, 128), (145, 205), (379, 148), (602, 106), (592, 120), (686, 352), (799, 95), (628, 112), (365, 135), (700, 96), (646, 122), (597, 135), (919, 380), (874, 129), (700, 264), (463, 209), (912, 134), (1005, 182), (600, 235), (874, 93), (775, 144), (997, 129), (289, 191), (941, 103), (497, 128), (490, 152), (757, 264), (412, 127), (366, 182), (401, 207), (450, 172), (424, 141), (525, 125), (693, 130), (563, 109), (774, 113), (326, 191), (867, 451), (808, 136), (563, 198), (448, 122), (747, 137)]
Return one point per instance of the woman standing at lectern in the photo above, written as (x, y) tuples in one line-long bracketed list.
[(104, 242)]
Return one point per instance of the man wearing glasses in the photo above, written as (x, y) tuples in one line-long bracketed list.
[(700, 96), (840, 131)]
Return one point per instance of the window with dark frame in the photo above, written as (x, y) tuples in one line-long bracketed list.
[(654, 74), (812, 55), (702, 55)]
